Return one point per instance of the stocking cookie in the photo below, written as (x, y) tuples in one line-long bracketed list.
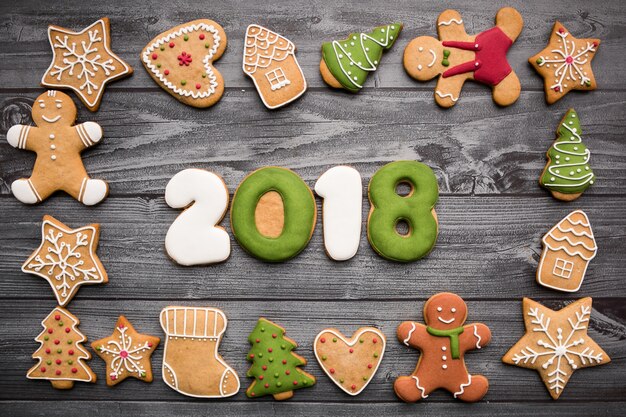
[(556, 343), (58, 144), (270, 60), (565, 64), (443, 343), (191, 362), (458, 57), (126, 353), (347, 63), (61, 355), (83, 61), (181, 59), (66, 258)]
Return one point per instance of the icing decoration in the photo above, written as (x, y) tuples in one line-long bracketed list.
[(277, 373), (342, 191), (194, 238), (83, 61), (351, 360), (419, 387), (568, 170), (449, 22), (126, 353), (408, 336), (478, 338), (434, 58), (65, 366), (192, 364), (300, 214), (66, 258), (416, 209), (567, 250), (556, 343), (452, 334), (446, 95), (351, 60)]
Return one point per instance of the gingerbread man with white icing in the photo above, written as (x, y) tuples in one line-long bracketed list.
[(458, 57), (443, 343), (58, 144)]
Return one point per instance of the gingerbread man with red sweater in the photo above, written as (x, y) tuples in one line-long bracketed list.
[(443, 341)]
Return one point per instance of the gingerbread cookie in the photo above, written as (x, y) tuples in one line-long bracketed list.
[(347, 63), (565, 64), (275, 368), (61, 356), (556, 343), (270, 60), (567, 173), (443, 343), (194, 238), (181, 60), (350, 362), (458, 57), (83, 61), (191, 362), (567, 250), (66, 258), (58, 144), (126, 353)]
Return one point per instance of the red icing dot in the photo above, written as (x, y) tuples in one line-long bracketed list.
[(154, 56), (149, 344), (295, 382), (351, 350), (57, 317), (557, 88), (258, 340), (374, 340), (198, 86), (569, 60), (252, 394), (172, 44), (113, 377), (58, 361), (332, 370), (274, 335), (166, 72), (58, 372), (267, 385), (269, 350), (123, 354), (43, 369), (74, 370), (369, 365), (201, 36), (67, 330), (252, 356), (264, 367), (50, 331), (284, 362), (595, 44), (70, 352), (561, 30), (261, 377), (323, 340), (353, 387), (48, 350), (287, 372), (57, 341)]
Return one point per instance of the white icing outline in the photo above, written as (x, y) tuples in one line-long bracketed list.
[(446, 95), (478, 346), (351, 342), (551, 169), (449, 22), (419, 387), (406, 341), (462, 387)]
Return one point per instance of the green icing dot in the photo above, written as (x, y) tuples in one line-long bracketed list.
[(270, 359), (49, 362), (186, 38), (283, 347), (183, 82), (375, 354), (539, 61), (262, 329), (341, 380), (305, 382), (278, 384), (364, 378), (99, 348), (59, 350), (361, 340), (260, 355), (60, 323), (142, 374), (203, 75), (46, 338), (324, 357), (206, 45), (162, 48), (69, 342), (70, 362), (276, 375), (334, 340), (158, 65)]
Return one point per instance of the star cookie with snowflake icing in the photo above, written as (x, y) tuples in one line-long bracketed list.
[(83, 61), (67, 258), (126, 353), (556, 343), (565, 64)]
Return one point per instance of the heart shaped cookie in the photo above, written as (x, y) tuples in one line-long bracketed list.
[(350, 362), (181, 59)]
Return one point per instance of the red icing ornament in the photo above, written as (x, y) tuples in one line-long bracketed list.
[(113, 377), (351, 350), (43, 369), (569, 60), (274, 336), (58, 372), (58, 361), (48, 350), (332, 370), (353, 387), (284, 362), (261, 377), (561, 30), (557, 88), (287, 372), (369, 365), (258, 340), (172, 44), (295, 382), (264, 367), (67, 330), (149, 344), (323, 340), (123, 354), (252, 394), (74, 370), (198, 86), (166, 72), (70, 352), (57, 341), (57, 317), (154, 56), (50, 331), (201, 36), (252, 356), (266, 385), (269, 350), (595, 44), (184, 59), (374, 340)]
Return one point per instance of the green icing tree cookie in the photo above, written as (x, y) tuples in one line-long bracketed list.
[(275, 367), (351, 60), (567, 173)]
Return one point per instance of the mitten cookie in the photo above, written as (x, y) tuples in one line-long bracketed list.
[(58, 144), (347, 63), (443, 343), (83, 61), (457, 57), (181, 59), (565, 64)]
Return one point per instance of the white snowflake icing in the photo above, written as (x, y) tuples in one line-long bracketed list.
[(125, 355), (566, 63), (557, 348), (88, 60)]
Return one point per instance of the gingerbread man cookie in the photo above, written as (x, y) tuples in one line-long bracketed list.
[(442, 343), (58, 144), (458, 57)]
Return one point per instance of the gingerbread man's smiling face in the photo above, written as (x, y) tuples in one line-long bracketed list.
[(54, 108), (445, 311), (423, 58)]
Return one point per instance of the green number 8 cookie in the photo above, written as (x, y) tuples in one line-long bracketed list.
[(416, 209)]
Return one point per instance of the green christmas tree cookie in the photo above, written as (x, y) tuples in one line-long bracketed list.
[(347, 63), (275, 367), (567, 173)]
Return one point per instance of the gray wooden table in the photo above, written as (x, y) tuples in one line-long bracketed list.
[(492, 213)]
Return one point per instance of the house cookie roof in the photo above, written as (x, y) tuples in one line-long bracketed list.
[(573, 234), (264, 46)]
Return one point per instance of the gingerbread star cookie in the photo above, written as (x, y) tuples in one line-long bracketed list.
[(83, 61), (565, 64), (66, 258), (556, 343), (126, 353)]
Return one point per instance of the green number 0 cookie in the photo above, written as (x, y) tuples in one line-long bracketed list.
[(299, 214), (416, 209)]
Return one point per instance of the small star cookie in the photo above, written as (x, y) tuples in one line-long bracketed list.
[(126, 353), (556, 343), (83, 61), (565, 64)]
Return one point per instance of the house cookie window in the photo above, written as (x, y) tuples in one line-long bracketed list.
[(563, 268), (277, 78)]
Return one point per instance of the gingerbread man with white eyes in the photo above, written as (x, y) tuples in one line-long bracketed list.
[(459, 57), (58, 144), (443, 342)]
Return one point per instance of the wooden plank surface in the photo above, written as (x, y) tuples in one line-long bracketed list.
[(492, 213)]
